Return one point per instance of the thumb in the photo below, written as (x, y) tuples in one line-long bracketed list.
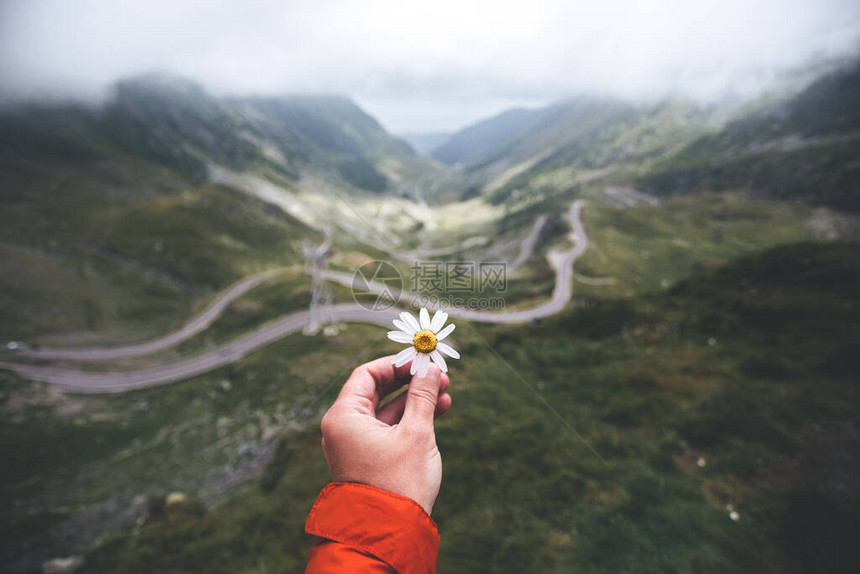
[(421, 399)]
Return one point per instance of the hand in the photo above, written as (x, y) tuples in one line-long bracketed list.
[(393, 448)]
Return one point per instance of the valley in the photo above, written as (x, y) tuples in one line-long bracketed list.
[(690, 318)]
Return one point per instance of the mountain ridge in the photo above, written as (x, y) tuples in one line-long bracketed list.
[(802, 145), (174, 122), (487, 136), (806, 147)]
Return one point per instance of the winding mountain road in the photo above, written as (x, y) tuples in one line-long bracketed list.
[(528, 244), (561, 261), (191, 328), (77, 381)]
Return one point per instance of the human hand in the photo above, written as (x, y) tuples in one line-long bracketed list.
[(393, 448)]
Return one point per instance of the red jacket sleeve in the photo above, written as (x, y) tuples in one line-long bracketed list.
[(366, 529)]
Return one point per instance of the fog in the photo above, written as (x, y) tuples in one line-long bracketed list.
[(423, 66)]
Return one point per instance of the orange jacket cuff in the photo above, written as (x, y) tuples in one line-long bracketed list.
[(391, 527)]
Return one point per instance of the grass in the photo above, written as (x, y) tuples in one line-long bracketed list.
[(649, 248), (206, 237), (652, 383), (129, 247), (42, 293), (721, 368), (819, 174), (205, 436)]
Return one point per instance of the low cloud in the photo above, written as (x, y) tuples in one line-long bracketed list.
[(423, 66)]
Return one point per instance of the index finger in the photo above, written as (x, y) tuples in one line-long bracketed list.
[(373, 381)]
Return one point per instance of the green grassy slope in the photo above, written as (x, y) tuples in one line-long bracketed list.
[(80, 464), (96, 241), (746, 368), (595, 134), (804, 148), (602, 139), (523, 148), (648, 248)]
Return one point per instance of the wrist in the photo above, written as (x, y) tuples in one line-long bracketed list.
[(393, 488)]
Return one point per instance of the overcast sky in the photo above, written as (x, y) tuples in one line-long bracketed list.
[(422, 66)]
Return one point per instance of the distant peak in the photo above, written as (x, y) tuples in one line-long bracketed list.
[(161, 83)]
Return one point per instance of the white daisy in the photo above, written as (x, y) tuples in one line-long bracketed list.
[(425, 339)]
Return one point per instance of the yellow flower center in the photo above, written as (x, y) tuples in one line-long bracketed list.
[(424, 341)]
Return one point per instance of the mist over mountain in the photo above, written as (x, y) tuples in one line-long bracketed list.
[(693, 146), (175, 122), (805, 147), (484, 57)]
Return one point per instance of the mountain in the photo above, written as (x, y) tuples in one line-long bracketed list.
[(175, 122), (503, 154), (805, 147), (115, 202), (488, 136), (801, 145)]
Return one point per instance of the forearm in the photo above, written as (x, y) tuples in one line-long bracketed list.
[(366, 529)]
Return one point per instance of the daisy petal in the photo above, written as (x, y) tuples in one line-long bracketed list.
[(439, 360), (400, 337), (410, 320), (448, 350), (420, 364), (424, 318), (404, 327), (438, 320), (423, 365), (445, 332), (404, 356)]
